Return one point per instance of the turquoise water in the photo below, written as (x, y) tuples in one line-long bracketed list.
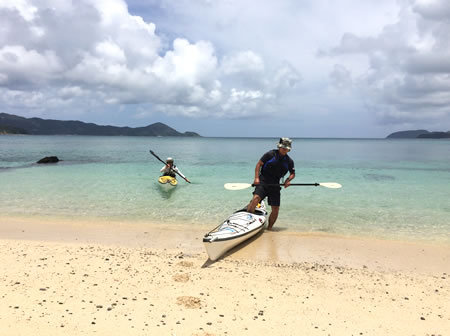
[(394, 189)]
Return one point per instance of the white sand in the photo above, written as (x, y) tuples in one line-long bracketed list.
[(78, 279)]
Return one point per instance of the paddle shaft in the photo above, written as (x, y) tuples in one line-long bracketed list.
[(156, 156), (292, 184)]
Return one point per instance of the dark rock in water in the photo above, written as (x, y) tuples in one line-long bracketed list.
[(49, 159)]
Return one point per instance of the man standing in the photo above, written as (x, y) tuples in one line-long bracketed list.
[(272, 166)]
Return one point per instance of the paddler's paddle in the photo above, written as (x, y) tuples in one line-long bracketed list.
[(156, 156), (240, 186)]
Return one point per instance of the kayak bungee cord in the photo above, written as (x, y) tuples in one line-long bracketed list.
[(240, 227)]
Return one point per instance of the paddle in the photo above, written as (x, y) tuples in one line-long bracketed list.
[(240, 186), (156, 156)]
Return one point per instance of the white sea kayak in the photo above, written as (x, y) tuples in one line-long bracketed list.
[(237, 228)]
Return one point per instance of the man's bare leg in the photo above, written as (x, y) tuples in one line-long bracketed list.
[(273, 216), (253, 203)]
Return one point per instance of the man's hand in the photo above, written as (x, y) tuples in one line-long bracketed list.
[(287, 183), (256, 181)]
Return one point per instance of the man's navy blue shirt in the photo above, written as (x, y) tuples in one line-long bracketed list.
[(275, 166)]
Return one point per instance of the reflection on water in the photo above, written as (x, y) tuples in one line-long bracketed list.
[(165, 190)]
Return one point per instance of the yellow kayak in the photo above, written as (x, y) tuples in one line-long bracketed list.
[(168, 180)]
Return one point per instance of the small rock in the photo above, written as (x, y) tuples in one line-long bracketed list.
[(49, 159)]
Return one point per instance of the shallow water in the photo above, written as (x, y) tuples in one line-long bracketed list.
[(394, 189)]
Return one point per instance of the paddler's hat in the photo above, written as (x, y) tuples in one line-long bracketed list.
[(169, 159), (285, 143)]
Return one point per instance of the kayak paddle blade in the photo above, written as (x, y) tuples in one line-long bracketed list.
[(236, 186), (331, 185)]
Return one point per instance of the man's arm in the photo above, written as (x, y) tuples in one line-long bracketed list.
[(175, 169), (287, 183), (257, 170), (181, 174), (289, 179)]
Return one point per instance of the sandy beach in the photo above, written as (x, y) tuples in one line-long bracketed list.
[(66, 278)]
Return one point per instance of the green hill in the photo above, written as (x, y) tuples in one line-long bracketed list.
[(418, 134), (13, 124)]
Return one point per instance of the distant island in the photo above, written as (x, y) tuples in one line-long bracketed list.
[(419, 134), (13, 124)]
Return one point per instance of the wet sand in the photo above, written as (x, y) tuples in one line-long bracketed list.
[(65, 278)]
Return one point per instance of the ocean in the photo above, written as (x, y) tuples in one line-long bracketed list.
[(392, 189)]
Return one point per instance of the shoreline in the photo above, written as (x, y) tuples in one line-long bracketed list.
[(135, 223), (277, 246), (65, 278)]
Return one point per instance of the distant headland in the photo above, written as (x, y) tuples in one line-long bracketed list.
[(419, 134), (13, 124)]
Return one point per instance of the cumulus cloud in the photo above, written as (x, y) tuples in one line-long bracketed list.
[(341, 77), (407, 77), (285, 77), (243, 62), (436, 10), (94, 52)]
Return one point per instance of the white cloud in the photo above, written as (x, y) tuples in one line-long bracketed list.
[(19, 65), (242, 103), (436, 10), (110, 51), (408, 73), (242, 62), (286, 77), (218, 59), (187, 64), (97, 52), (69, 92), (26, 10), (341, 77)]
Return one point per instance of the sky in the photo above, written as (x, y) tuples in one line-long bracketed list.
[(251, 68)]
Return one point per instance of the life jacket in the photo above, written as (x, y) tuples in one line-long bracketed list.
[(276, 167), (171, 172)]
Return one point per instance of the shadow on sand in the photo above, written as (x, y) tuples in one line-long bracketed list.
[(209, 262), (277, 229)]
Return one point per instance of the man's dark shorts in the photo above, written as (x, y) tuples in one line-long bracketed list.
[(272, 193)]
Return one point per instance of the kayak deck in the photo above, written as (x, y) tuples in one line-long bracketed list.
[(237, 228), (168, 180)]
